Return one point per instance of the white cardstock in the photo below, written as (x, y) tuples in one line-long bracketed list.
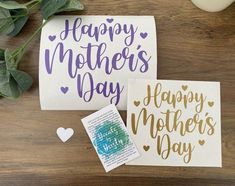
[(175, 123), (86, 61), (110, 137)]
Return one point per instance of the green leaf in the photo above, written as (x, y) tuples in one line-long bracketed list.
[(71, 5), (50, 7), (12, 82), (9, 5), (20, 21), (6, 22), (10, 89), (4, 79), (13, 17), (4, 74), (8, 86), (2, 56), (23, 80), (12, 58)]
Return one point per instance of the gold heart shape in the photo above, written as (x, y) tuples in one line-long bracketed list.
[(201, 142), (136, 103), (184, 87), (146, 147), (211, 103)]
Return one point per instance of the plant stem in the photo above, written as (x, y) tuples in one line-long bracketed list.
[(24, 46), (33, 5), (32, 2), (32, 36)]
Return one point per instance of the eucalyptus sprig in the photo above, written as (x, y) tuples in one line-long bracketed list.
[(13, 17)]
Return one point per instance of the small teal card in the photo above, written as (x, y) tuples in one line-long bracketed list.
[(110, 137)]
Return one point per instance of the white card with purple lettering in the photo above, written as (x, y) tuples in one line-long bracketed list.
[(86, 61), (175, 123)]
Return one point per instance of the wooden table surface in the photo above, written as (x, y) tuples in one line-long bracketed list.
[(192, 45)]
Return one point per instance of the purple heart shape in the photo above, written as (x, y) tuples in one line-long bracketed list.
[(64, 89), (143, 34), (109, 20), (52, 38)]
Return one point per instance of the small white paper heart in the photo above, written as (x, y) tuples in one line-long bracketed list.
[(64, 134)]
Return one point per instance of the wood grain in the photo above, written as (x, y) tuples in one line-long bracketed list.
[(192, 45)]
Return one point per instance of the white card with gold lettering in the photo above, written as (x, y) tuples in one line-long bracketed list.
[(175, 123), (86, 61)]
